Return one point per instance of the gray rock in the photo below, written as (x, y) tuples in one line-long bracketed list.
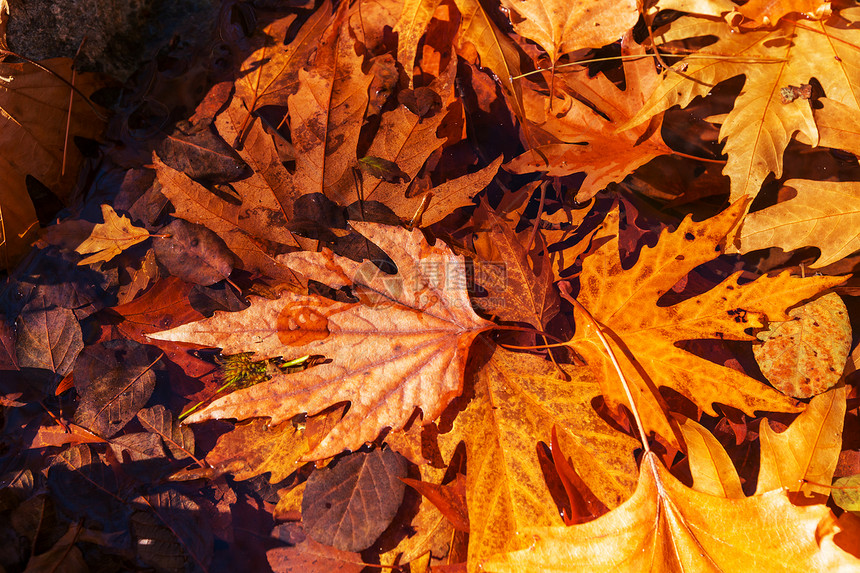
[(121, 34)]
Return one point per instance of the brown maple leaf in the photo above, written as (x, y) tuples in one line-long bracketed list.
[(404, 345)]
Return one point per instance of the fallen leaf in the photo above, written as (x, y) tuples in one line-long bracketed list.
[(518, 398), (823, 214), (645, 334), (584, 115), (807, 451), (114, 380), (712, 468), (415, 350), (846, 493), (760, 126), (304, 555), (769, 12), (561, 27), (35, 108), (193, 253), (449, 499), (805, 356), (349, 504), (256, 447), (667, 526), (49, 337)]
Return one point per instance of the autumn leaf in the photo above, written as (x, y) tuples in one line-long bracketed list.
[(497, 51), (768, 12), (823, 214), (110, 238), (517, 400), (561, 27), (519, 283), (807, 451), (586, 131), (647, 334), (805, 356), (326, 113), (35, 106), (409, 334), (667, 526), (761, 123)]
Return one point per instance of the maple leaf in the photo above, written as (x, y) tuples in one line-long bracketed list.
[(110, 238), (560, 28), (666, 526), (761, 123), (823, 214), (403, 346), (588, 131), (625, 303), (519, 290), (517, 400)]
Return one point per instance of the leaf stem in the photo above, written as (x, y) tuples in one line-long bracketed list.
[(565, 292)]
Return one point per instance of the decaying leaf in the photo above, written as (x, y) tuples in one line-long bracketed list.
[(805, 355), (409, 335), (348, 505)]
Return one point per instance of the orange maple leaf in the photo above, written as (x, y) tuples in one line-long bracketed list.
[(403, 346)]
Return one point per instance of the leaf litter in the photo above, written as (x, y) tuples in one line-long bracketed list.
[(466, 247)]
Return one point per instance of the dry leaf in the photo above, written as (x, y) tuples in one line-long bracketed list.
[(624, 302), (805, 356), (409, 335), (823, 214), (667, 526)]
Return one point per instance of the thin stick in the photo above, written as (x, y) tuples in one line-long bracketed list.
[(697, 158), (693, 56)]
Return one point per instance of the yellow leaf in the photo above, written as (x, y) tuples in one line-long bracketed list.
[(560, 26), (669, 527), (823, 214), (110, 238), (712, 468), (762, 121), (807, 450), (518, 399)]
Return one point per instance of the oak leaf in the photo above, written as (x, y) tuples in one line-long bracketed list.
[(625, 301), (761, 123), (666, 526), (768, 12), (803, 458), (403, 346), (34, 107), (106, 240), (823, 214)]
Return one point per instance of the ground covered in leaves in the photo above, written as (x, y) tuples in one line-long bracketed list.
[(438, 285)]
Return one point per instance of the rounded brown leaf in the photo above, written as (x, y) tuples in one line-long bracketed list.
[(349, 505), (194, 253), (805, 356)]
